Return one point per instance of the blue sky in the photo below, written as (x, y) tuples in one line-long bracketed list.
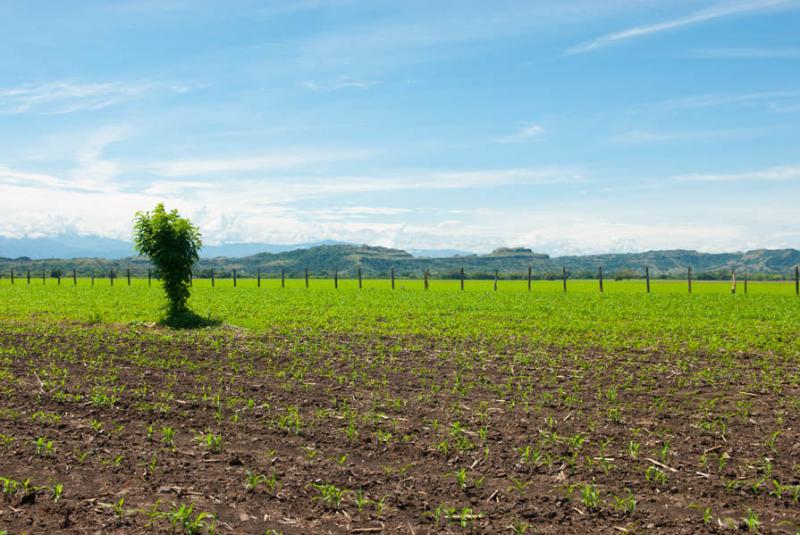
[(568, 127)]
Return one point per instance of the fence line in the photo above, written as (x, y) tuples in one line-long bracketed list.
[(462, 278), (600, 277)]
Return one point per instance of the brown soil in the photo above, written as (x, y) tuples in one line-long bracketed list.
[(393, 418)]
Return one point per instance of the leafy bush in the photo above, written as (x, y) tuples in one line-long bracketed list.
[(171, 243)]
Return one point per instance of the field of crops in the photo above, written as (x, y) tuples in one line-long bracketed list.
[(401, 411)]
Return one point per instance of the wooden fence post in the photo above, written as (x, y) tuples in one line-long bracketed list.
[(306, 277), (58, 276), (462, 279), (425, 278), (234, 278), (797, 280), (12, 277), (689, 279), (745, 281), (647, 277), (529, 278), (392, 277), (359, 277), (733, 281), (336, 279), (600, 276), (259, 277), (129, 277), (564, 276), (92, 278), (111, 277), (283, 278), (43, 281), (150, 280), (212, 278), (29, 277), (495, 280), (74, 277)]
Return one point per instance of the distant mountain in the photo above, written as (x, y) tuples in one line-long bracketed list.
[(78, 246), (766, 261), (238, 250), (65, 246), (345, 259)]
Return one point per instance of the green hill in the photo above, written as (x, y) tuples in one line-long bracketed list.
[(325, 260)]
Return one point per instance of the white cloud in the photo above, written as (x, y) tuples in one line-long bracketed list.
[(650, 136), (784, 107), (779, 173), (415, 32), (270, 188), (597, 236), (240, 210), (11, 177), (93, 172), (343, 82), (355, 212), (242, 216), (46, 211), (712, 100), (747, 53), (527, 132), (68, 96), (716, 12), (268, 162)]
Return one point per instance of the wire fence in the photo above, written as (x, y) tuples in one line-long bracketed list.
[(28, 277)]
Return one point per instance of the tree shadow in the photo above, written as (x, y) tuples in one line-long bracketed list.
[(189, 319)]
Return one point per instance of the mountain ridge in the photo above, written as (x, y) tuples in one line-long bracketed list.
[(375, 261)]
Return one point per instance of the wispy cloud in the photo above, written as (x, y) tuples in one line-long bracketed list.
[(746, 53), (17, 178), (432, 181), (710, 100), (343, 213), (297, 187), (778, 101), (784, 106), (500, 177), (770, 174), (650, 136), (68, 97), (249, 164), (705, 15), (446, 29), (344, 82), (527, 132), (93, 171)]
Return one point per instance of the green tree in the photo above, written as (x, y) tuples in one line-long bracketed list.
[(171, 243)]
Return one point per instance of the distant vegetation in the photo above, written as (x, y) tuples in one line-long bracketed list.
[(376, 262)]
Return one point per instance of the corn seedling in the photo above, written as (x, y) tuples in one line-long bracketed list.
[(44, 447), (58, 491), (330, 495)]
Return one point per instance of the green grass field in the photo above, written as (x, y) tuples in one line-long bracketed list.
[(711, 318)]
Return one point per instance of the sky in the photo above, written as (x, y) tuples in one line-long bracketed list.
[(568, 127)]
